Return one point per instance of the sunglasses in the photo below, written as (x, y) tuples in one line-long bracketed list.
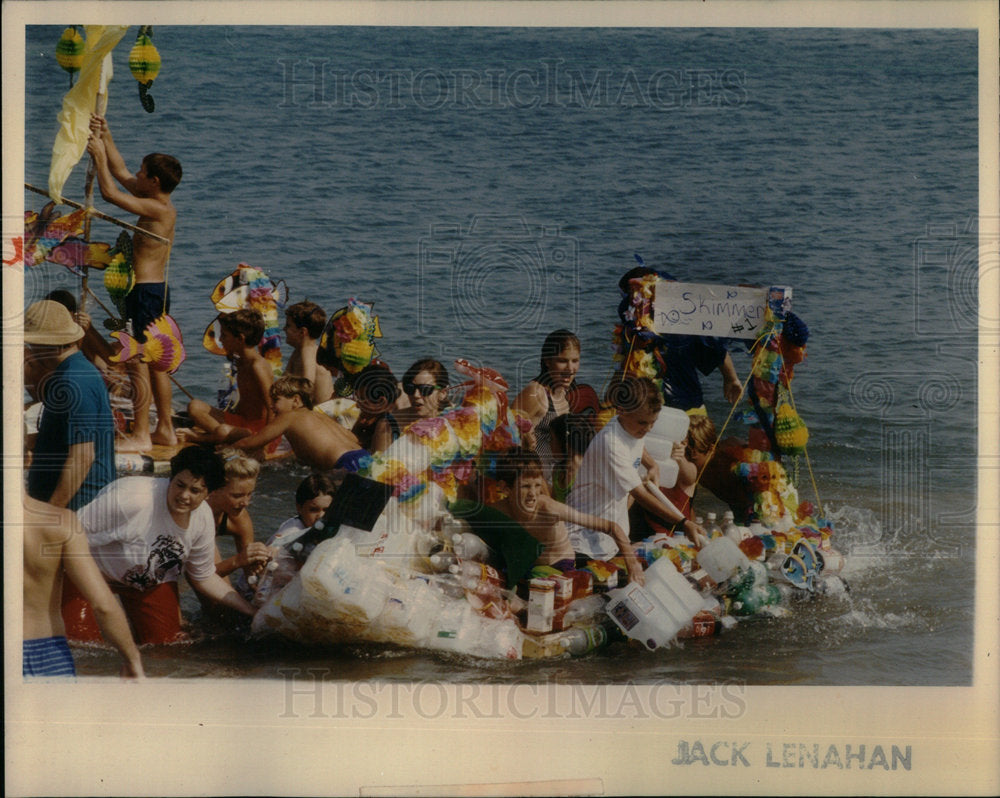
[(423, 390)]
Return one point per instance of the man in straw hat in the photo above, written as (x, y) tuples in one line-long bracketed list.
[(73, 456)]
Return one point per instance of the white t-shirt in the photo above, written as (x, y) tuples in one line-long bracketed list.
[(135, 541), (608, 472)]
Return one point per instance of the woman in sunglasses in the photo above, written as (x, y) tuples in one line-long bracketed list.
[(425, 384)]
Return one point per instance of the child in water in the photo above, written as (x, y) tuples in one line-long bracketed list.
[(241, 334), (375, 392), (312, 499), (304, 323), (529, 503), (608, 477), (229, 505), (316, 439), (569, 437)]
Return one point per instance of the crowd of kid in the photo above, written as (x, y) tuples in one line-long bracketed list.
[(581, 483), (570, 485)]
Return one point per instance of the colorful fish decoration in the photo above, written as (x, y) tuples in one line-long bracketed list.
[(163, 349), (450, 449), (75, 254), (69, 51), (57, 239), (249, 287), (349, 336), (144, 64), (119, 277)]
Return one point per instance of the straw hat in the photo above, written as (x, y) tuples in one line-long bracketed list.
[(48, 323)]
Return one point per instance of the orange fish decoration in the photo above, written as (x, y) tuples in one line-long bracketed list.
[(163, 349), (56, 239)]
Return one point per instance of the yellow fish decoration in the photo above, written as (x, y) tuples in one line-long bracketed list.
[(163, 348)]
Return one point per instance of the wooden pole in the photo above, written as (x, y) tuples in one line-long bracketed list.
[(100, 106), (99, 215)]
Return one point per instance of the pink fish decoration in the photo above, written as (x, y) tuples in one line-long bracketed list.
[(163, 350)]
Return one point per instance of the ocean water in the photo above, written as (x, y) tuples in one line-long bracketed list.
[(485, 186)]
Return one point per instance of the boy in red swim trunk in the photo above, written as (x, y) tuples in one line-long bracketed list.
[(241, 333)]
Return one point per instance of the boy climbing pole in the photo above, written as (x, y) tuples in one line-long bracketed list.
[(147, 195)]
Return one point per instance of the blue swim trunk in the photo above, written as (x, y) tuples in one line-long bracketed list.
[(353, 460), (144, 304), (47, 656)]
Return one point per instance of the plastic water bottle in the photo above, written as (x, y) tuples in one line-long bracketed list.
[(471, 547), (729, 527), (265, 584), (473, 575), (712, 527), (442, 561), (583, 609), (449, 584), (127, 463), (426, 543), (580, 640)]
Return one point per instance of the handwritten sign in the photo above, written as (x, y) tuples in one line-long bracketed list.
[(725, 311)]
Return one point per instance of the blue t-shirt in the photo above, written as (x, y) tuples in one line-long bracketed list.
[(685, 356), (76, 410)]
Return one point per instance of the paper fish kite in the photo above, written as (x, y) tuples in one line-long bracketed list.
[(349, 336), (119, 277), (144, 64), (163, 349), (250, 288), (48, 237)]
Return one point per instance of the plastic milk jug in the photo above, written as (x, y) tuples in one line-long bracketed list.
[(654, 614), (671, 425)]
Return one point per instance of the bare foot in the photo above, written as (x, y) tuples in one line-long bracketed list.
[(191, 435), (222, 432), (164, 437), (129, 444)]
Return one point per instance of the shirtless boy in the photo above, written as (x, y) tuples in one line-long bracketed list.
[(544, 518), (317, 440), (304, 323), (147, 195), (55, 547), (241, 332)]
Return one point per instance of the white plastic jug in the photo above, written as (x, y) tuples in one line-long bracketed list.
[(409, 613), (654, 614), (721, 558), (671, 426), (340, 585)]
